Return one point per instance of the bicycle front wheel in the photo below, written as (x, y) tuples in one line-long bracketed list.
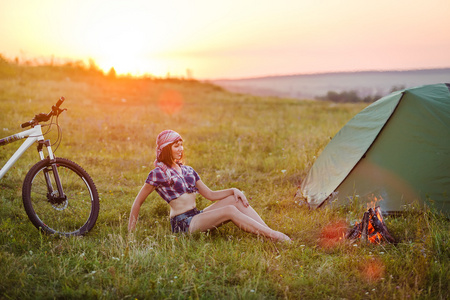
[(73, 213)]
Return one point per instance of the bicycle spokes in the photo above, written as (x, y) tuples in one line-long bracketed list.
[(72, 212)]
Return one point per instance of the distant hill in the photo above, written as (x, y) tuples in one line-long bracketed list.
[(367, 83)]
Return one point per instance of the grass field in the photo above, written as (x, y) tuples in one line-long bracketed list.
[(263, 146)]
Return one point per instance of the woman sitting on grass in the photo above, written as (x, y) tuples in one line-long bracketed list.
[(178, 184)]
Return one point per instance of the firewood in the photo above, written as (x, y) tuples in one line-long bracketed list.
[(383, 231), (354, 232), (365, 225), (371, 228)]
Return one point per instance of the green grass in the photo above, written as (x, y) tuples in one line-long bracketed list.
[(264, 146)]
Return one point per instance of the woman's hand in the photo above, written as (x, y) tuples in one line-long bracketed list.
[(238, 195), (222, 194)]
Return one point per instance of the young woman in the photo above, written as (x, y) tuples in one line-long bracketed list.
[(178, 184)]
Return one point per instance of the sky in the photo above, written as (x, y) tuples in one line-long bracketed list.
[(208, 39)]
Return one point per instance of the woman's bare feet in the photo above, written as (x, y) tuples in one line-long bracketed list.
[(281, 237)]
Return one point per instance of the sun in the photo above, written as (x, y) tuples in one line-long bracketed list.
[(113, 46), (140, 38), (126, 40)]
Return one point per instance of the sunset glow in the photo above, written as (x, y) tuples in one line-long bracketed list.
[(229, 39)]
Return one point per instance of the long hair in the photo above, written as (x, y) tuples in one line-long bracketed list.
[(166, 155), (164, 158)]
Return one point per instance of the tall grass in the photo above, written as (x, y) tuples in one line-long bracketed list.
[(263, 146)]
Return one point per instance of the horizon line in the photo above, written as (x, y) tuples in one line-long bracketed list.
[(331, 73)]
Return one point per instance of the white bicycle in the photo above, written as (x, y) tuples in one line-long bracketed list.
[(59, 196)]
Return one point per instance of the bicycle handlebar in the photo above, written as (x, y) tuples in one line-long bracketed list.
[(26, 124), (43, 117), (60, 101)]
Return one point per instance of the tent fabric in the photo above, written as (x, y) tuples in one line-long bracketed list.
[(395, 151), (345, 150)]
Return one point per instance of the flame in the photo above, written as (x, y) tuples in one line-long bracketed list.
[(378, 213), (373, 236), (373, 201), (374, 225)]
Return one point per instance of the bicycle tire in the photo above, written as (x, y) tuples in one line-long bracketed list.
[(77, 214)]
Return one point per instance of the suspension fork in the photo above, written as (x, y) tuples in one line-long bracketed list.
[(51, 197)]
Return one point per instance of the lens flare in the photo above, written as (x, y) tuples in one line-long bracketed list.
[(170, 102), (373, 270), (333, 234)]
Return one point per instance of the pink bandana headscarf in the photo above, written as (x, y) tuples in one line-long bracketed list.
[(164, 139)]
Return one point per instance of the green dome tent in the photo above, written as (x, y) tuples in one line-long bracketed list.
[(395, 152)]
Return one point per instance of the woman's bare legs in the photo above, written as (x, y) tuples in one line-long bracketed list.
[(248, 211), (215, 215)]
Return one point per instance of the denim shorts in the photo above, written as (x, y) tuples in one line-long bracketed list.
[(181, 222)]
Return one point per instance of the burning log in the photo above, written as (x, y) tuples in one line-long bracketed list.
[(379, 226), (371, 228), (365, 226)]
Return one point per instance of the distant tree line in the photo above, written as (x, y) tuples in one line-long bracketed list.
[(69, 70), (352, 96)]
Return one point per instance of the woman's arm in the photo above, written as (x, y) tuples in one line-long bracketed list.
[(140, 198), (221, 194)]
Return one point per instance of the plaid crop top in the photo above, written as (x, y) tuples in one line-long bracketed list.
[(177, 185)]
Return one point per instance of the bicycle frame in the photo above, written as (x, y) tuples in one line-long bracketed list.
[(32, 135), (45, 203)]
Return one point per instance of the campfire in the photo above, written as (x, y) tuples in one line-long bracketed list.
[(371, 228)]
